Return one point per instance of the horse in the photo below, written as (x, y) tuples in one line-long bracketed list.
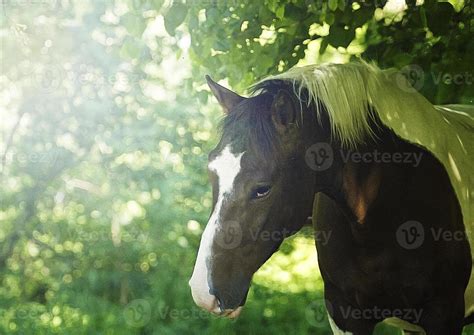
[(312, 143)]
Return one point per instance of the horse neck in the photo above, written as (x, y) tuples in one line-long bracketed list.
[(357, 186), (366, 192), (360, 188)]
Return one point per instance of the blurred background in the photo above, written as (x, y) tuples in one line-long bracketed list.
[(105, 127)]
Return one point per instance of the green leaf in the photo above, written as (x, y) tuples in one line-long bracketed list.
[(324, 46), (423, 17), (272, 5), (175, 16), (341, 5), (332, 4), (131, 48), (280, 12), (330, 18), (134, 24)]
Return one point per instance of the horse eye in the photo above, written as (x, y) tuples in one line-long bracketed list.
[(261, 192)]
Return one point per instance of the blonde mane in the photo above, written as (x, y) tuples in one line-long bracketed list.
[(347, 91)]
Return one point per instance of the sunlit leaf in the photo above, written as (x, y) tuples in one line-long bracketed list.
[(135, 24), (175, 17)]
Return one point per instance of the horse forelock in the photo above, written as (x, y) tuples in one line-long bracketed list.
[(250, 127)]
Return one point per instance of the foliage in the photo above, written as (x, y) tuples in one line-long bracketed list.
[(104, 134), (245, 40)]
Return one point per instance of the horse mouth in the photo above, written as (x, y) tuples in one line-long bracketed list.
[(210, 302), (231, 313)]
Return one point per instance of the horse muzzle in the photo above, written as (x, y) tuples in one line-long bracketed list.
[(210, 302)]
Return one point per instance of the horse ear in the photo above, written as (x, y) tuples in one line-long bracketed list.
[(283, 110), (226, 98)]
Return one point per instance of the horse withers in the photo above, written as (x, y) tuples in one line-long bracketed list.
[(398, 248)]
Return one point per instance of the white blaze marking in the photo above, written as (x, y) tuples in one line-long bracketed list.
[(227, 167)]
